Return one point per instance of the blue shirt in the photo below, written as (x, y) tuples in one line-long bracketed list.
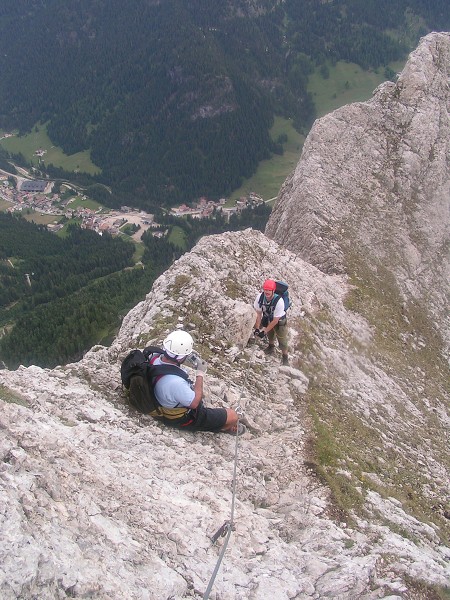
[(172, 391)]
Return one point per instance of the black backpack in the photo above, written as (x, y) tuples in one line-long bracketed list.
[(139, 376)]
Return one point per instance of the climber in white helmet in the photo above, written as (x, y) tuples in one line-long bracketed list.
[(181, 400)]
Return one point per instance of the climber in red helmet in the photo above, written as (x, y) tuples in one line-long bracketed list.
[(271, 319)]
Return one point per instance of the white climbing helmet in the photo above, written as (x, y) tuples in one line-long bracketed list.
[(178, 344)]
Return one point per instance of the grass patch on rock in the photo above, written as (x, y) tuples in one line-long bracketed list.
[(11, 397), (381, 441)]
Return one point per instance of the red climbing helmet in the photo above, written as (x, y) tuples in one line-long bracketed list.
[(269, 285)]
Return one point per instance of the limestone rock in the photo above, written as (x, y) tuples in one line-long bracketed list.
[(371, 191), (100, 501), (342, 477)]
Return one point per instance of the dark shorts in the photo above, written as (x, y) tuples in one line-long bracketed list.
[(201, 419)]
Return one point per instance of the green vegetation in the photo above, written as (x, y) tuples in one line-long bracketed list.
[(177, 237), (272, 172), (139, 250), (8, 395), (130, 229), (187, 231), (67, 192), (195, 119), (39, 218), (180, 282), (351, 457), (346, 442), (85, 203), (345, 83), (61, 294), (232, 288), (68, 223), (62, 330), (27, 144), (422, 589), (48, 288), (327, 453)]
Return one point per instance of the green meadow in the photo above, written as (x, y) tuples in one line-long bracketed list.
[(85, 203), (40, 218), (139, 250), (38, 139), (271, 173), (177, 237), (346, 83), (63, 232)]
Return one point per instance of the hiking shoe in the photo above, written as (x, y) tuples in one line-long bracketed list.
[(241, 428), (285, 360), (270, 349)]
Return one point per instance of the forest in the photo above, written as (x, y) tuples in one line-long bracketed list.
[(61, 296), (175, 99)]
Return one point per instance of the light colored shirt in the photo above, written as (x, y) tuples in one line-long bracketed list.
[(279, 307), (172, 391)]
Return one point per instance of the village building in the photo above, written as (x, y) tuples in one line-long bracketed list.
[(33, 185)]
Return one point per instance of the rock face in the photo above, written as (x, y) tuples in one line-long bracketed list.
[(342, 478), (372, 188)]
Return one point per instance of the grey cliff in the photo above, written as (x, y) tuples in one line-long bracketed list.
[(372, 188), (342, 480)]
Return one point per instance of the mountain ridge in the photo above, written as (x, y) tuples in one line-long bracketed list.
[(398, 173), (130, 501), (342, 476)]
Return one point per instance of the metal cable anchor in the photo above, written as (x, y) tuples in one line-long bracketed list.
[(222, 531)]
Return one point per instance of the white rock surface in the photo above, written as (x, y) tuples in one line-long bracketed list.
[(98, 501)]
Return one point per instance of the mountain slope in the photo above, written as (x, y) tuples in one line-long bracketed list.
[(100, 501), (370, 195), (343, 474), (152, 88)]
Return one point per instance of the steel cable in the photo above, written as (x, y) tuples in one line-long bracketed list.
[(228, 526)]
